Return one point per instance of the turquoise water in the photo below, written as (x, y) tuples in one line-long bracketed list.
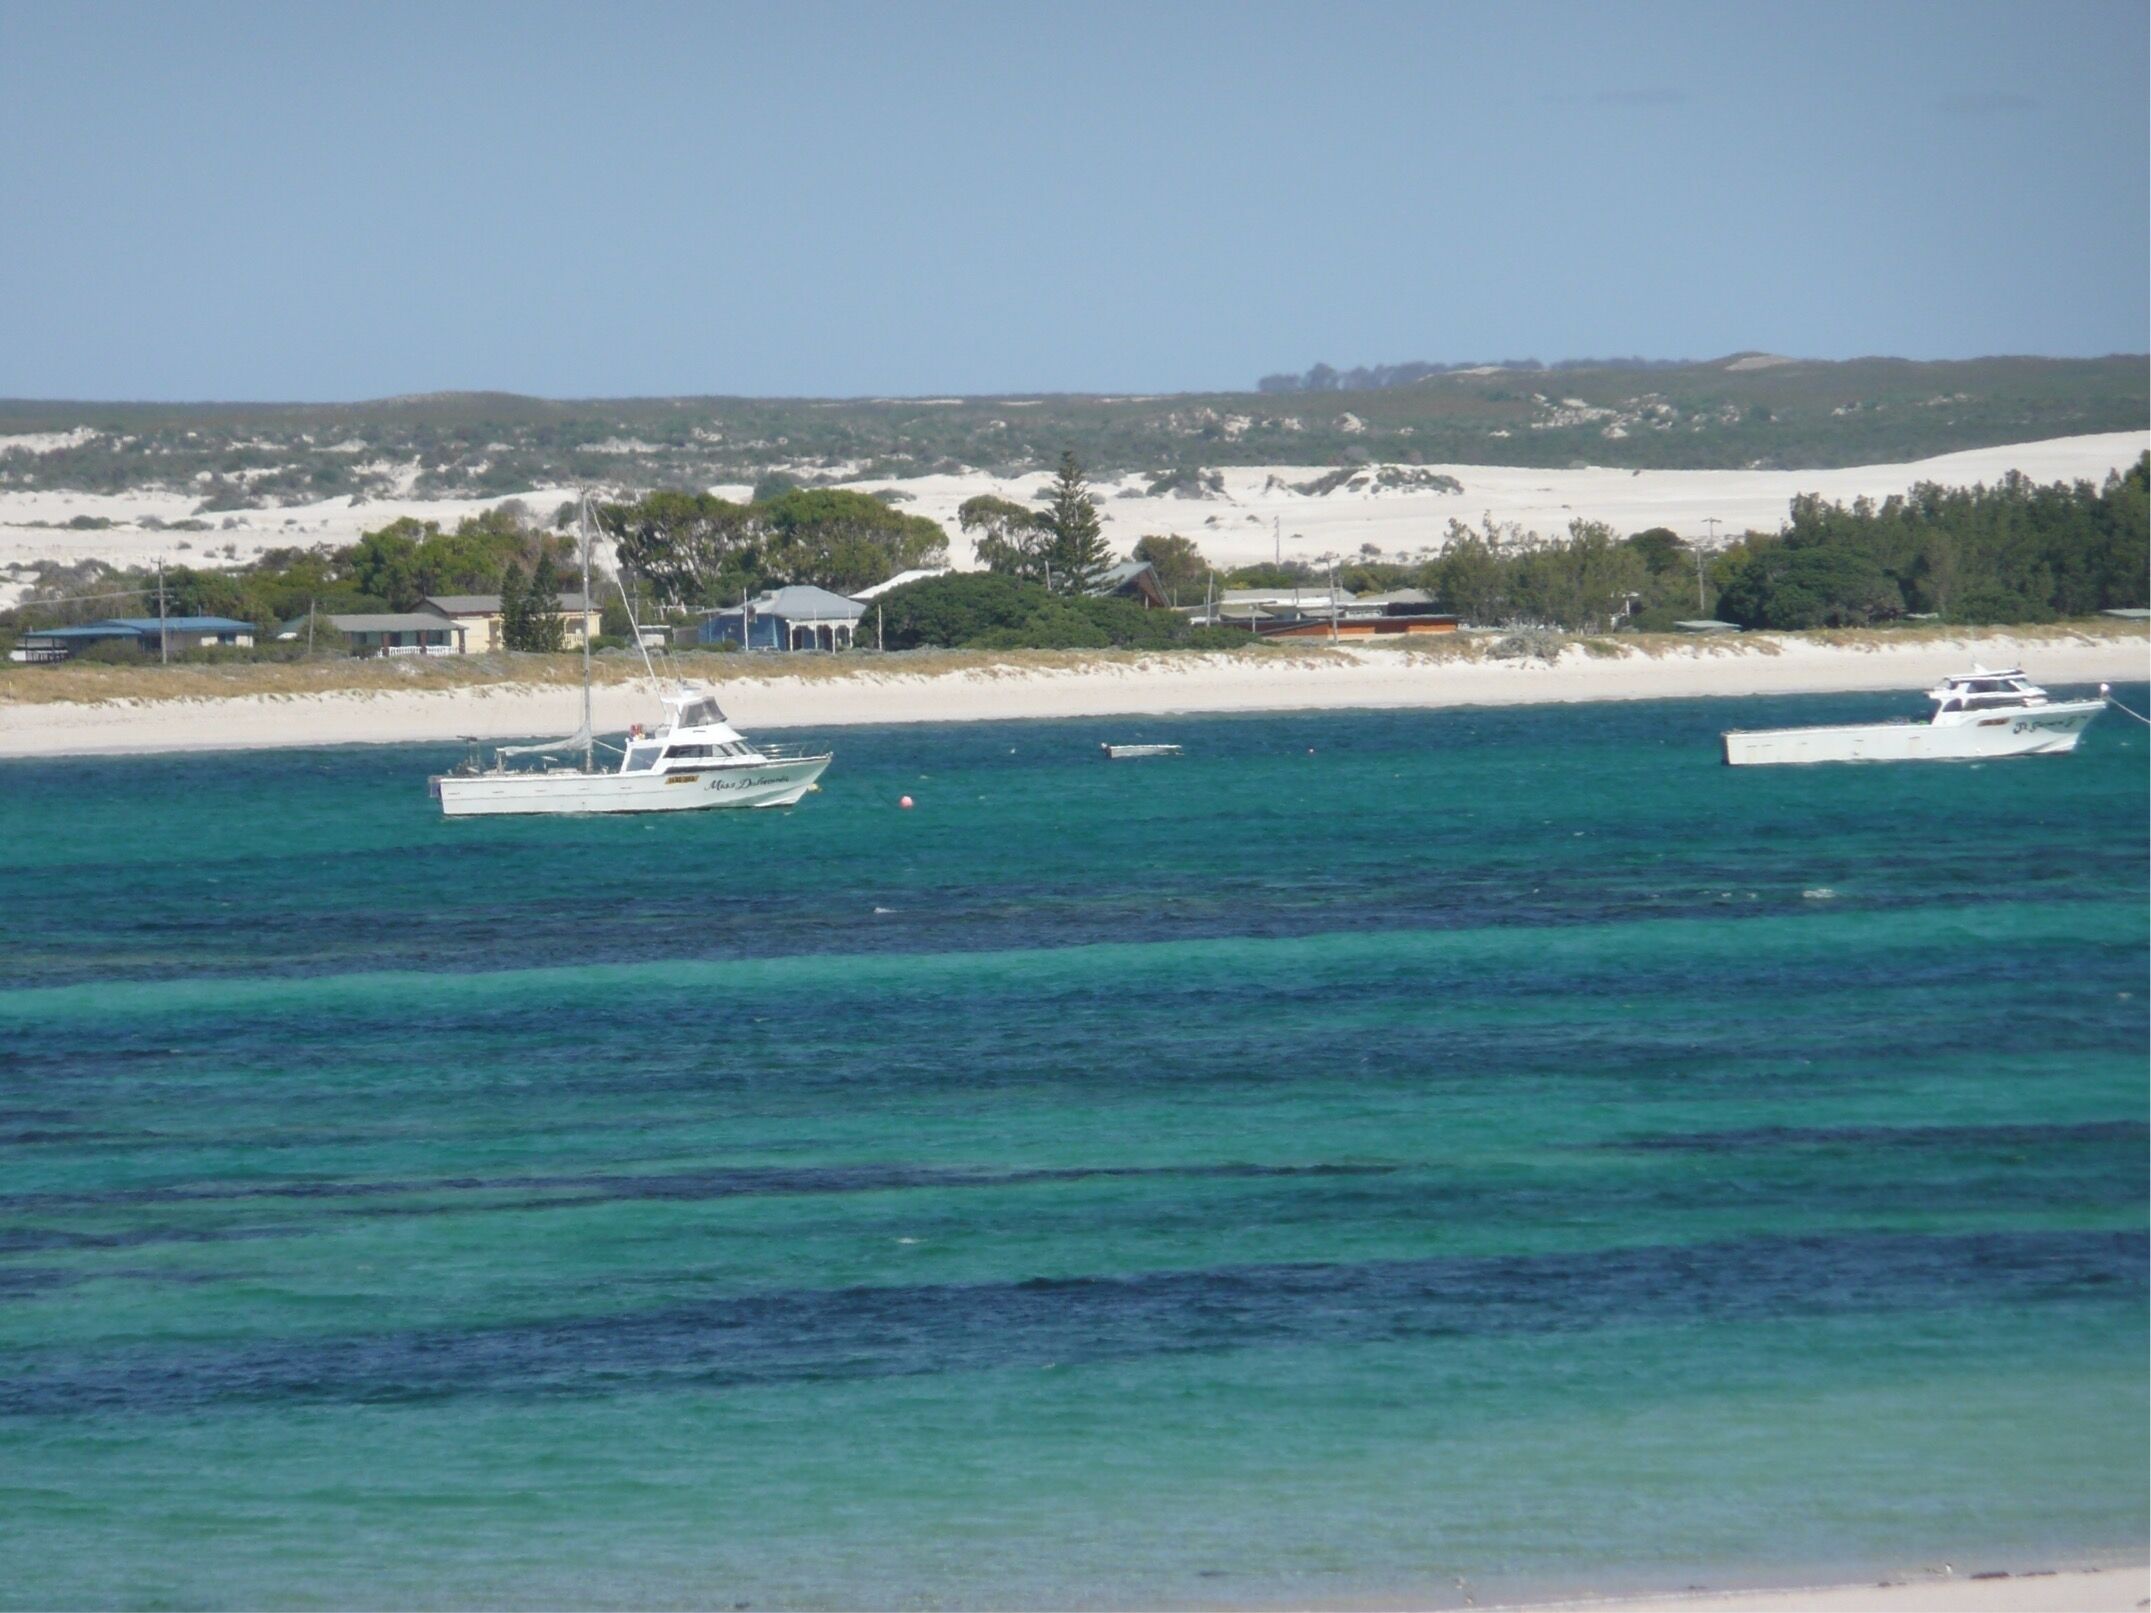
[(1373, 1152)]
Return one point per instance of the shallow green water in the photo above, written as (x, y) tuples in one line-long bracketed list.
[(1372, 1151)]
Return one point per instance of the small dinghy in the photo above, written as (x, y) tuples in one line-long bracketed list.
[(1133, 753)]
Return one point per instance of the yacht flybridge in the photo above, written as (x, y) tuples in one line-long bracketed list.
[(1976, 714), (695, 759)]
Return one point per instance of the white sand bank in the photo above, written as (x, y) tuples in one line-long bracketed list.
[(1344, 678), (2104, 1590)]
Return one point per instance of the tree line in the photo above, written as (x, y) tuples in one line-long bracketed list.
[(504, 550), (1380, 377), (2013, 552), (697, 549)]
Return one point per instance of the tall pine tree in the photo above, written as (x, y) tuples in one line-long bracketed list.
[(514, 609), (1075, 544), (542, 626)]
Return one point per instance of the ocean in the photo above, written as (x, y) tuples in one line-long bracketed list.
[(1372, 1158)]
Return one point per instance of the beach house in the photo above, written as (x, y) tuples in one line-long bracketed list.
[(799, 617), (1131, 579), (148, 634), (385, 632), (480, 618), (1317, 611)]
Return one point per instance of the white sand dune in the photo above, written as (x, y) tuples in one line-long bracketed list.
[(1257, 515), (1348, 677)]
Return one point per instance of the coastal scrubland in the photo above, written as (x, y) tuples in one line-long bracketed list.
[(1728, 413)]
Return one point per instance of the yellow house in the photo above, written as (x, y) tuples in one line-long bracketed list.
[(479, 616)]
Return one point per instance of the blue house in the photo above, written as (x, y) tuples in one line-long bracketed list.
[(144, 632), (796, 618)]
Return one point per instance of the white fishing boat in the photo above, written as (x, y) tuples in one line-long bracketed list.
[(1130, 753), (694, 760), (1977, 715)]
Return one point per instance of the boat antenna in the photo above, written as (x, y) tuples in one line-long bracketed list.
[(634, 626), (589, 739)]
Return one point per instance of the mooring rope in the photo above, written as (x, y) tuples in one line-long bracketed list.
[(2107, 695)]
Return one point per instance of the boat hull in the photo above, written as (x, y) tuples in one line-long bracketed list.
[(2050, 730), (749, 784)]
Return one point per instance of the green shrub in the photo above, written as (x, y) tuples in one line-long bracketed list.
[(1061, 625), (113, 652), (956, 608), (1991, 604), (1222, 638)]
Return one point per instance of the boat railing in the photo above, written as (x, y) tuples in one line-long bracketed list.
[(788, 753)]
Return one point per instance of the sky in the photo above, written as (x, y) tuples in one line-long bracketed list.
[(225, 201)]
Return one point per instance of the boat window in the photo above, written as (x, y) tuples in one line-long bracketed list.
[(700, 713), (683, 752), (640, 758)]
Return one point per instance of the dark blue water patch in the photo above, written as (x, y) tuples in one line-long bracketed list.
[(22, 1282), (1986, 1138), (34, 1136), (40, 1239), (1311, 1204), (725, 1182), (950, 1328)]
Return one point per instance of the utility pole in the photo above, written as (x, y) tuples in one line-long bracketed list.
[(309, 628), (1277, 538), (1710, 521), (881, 638), (164, 639)]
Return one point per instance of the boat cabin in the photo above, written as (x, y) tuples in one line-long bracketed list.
[(696, 736), (1981, 690)]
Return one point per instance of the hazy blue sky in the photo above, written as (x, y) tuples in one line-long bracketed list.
[(324, 201)]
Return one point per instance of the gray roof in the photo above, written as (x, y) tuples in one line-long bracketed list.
[(1307, 594), (1708, 626), (1395, 596), (1126, 571), (571, 603), (802, 602), (416, 621)]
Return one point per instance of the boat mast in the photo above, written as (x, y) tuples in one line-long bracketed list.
[(589, 739)]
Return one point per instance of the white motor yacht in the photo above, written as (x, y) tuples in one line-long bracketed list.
[(695, 760), (1976, 714)]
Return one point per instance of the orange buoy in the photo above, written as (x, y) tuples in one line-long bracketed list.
[(904, 801)]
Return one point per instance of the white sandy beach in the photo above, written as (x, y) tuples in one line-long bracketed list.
[(1347, 677), (2104, 1590)]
